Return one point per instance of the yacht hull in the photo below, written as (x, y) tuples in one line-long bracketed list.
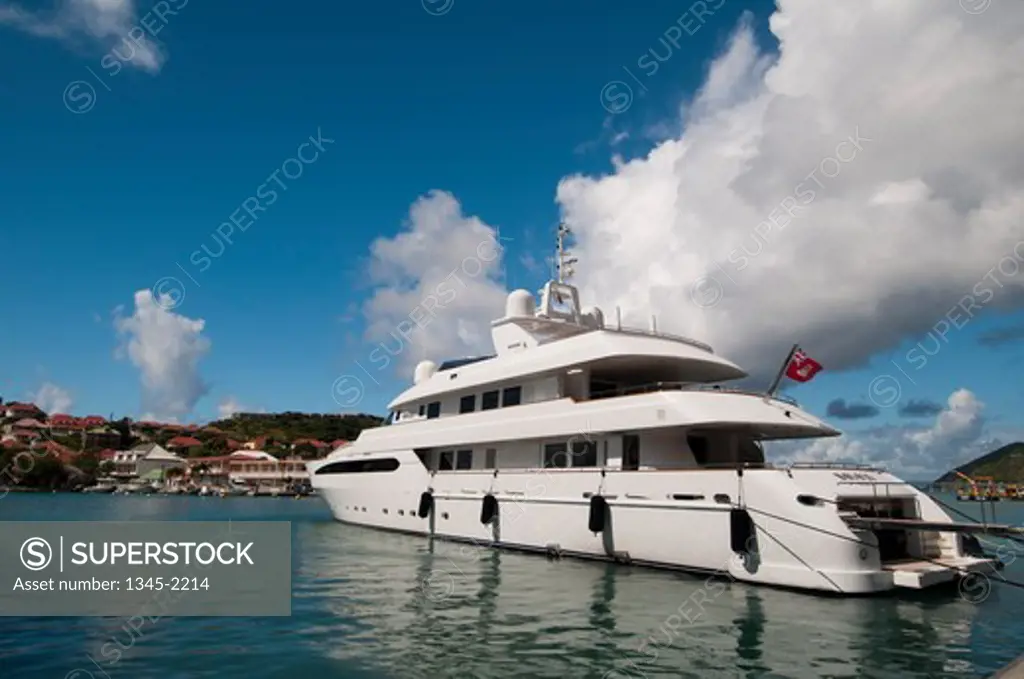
[(680, 519)]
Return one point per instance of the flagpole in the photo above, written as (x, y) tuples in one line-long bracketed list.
[(782, 371)]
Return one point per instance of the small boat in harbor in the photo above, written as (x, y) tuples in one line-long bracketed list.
[(100, 487), (234, 490), (133, 488)]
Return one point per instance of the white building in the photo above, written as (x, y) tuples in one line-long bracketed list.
[(143, 459), (253, 467)]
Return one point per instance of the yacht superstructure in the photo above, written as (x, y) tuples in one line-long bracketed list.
[(581, 437)]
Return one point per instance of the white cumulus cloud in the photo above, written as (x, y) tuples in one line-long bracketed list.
[(166, 348), (437, 286), (231, 406), (107, 23), (52, 399), (844, 193), (956, 436)]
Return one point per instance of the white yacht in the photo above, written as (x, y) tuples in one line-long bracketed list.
[(580, 437)]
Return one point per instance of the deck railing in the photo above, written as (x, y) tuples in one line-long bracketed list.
[(849, 466), (683, 386), (658, 333)]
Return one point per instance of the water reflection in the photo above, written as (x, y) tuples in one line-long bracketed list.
[(378, 606), (437, 609)]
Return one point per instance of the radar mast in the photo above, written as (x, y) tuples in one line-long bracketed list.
[(565, 259)]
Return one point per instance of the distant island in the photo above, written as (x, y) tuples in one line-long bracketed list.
[(1003, 465)]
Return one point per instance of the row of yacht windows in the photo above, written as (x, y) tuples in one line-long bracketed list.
[(489, 400), (448, 460), (562, 455)]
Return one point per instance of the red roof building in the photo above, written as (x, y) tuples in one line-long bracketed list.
[(15, 409), (316, 443), (252, 468), (179, 442)]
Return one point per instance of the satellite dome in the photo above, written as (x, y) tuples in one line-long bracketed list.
[(424, 371), (519, 304)]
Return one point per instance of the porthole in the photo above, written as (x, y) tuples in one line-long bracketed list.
[(444, 515), (401, 512), (384, 510)]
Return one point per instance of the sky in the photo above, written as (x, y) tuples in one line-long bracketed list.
[(210, 209)]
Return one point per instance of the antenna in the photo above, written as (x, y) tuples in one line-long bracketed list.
[(565, 260)]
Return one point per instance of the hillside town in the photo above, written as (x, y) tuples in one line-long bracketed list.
[(100, 454)]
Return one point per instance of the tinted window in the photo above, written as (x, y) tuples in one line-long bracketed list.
[(491, 458), (445, 463), (751, 452), (699, 447), (489, 401), (630, 451), (511, 396), (423, 410), (555, 455), (584, 453), (459, 362), (464, 459), (433, 409), (387, 464), (467, 404)]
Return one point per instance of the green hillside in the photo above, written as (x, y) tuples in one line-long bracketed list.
[(1005, 465), (287, 427), (277, 434)]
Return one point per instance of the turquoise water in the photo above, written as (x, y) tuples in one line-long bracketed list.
[(361, 610)]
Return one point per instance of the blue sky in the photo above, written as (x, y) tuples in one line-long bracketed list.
[(494, 103)]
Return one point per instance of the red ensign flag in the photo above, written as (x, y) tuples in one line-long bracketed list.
[(802, 367)]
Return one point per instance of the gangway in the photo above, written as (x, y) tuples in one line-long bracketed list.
[(872, 523)]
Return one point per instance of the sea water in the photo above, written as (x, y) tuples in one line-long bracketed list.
[(372, 604)]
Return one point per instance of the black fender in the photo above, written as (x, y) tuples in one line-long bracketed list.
[(426, 504), (598, 513), (489, 509)]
